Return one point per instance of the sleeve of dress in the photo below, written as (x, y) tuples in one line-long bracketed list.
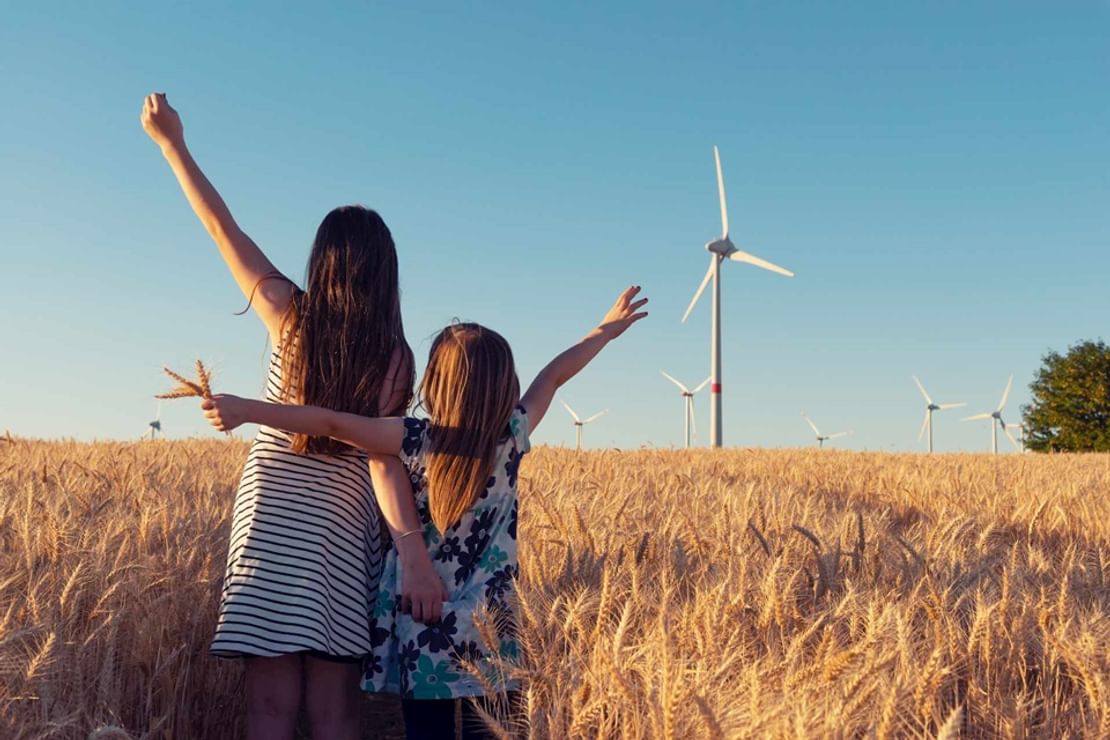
[(412, 444), (518, 425)]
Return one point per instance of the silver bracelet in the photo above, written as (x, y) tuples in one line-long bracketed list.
[(403, 535)]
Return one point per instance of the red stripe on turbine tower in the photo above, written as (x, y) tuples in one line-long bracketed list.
[(715, 388)]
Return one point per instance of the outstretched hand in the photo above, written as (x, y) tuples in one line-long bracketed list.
[(161, 122), (224, 411), (624, 313)]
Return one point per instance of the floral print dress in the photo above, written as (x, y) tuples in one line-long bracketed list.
[(477, 561)]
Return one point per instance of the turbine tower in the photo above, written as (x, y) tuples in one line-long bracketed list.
[(822, 438), (579, 423), (930, 407), (996, 415), (687, 404), (719, 250)]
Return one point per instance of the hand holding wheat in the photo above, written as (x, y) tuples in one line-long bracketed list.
[(199, 388)]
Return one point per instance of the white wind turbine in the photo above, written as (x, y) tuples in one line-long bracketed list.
[(996, 415), (687, 404), (930, 407), (1021, 434), (719, 250), (155, 427), (822, 438), (579, 423)]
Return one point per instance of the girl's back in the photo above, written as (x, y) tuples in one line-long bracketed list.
[(305, 553), (477, 560)]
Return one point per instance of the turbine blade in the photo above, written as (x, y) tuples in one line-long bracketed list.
[(924, 426), (1006, 393), (943, 406), (703, 384), (568, 408), (922, 389), (812, 425), (977, 417), (693, 422), (837, 435), (598, 415), (701, 289), (721, 193), (1013, 440), (742, 256), (671, 378)]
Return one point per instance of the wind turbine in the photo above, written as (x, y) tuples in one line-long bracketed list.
[(996, 415), (687, 404), (822, 438), (719, 250), (1021, 434), (579, 423), (155, 427), (929, 409)]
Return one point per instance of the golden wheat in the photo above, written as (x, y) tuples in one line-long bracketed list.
[(663, 594)]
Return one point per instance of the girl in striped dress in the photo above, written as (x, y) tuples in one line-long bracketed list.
[(305, 559), (464, 459)]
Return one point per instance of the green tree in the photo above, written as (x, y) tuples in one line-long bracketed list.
[(1070, 410)]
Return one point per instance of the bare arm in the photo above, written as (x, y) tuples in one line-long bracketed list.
[(624, 313), (251, 268), (422, 590), (226, 412)]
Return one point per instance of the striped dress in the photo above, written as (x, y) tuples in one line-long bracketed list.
[(305, 556)]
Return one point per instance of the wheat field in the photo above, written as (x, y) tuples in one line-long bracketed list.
[(664, 594)]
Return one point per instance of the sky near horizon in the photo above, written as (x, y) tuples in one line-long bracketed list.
[(935, 173)]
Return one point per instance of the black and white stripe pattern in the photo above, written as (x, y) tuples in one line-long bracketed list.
[(305, 556)]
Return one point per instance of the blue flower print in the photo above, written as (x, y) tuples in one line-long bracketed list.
[(512, 521), (414, 436), (493, 558), (449, 549), (512, 467), (371, 666), (437, 636), (408, 656), (383, 607), (500, 583), (430, 680)]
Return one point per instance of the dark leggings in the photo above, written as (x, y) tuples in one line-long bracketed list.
[(434, 719)]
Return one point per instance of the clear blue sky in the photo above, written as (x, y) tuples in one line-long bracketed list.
[(935, 172)]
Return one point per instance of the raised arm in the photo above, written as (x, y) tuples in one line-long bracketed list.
[(624, 313), (268, 291), (226, 412)]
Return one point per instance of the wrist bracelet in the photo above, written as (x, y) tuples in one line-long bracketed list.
[(403, 535)]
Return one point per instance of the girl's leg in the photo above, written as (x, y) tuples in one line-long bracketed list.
[(429, 719), (332, 695), (273, 696)]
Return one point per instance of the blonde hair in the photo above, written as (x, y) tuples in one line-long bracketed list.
[(469, 391)]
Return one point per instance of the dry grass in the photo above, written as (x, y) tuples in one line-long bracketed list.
[(743, 594)]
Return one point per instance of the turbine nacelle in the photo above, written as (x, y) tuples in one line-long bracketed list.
[(723, 247)]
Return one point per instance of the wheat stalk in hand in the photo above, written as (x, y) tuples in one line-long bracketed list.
[(201, 388)]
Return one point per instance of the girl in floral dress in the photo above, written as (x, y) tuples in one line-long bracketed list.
[(463, 462)]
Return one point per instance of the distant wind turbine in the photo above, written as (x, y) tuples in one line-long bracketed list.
[(822, 438), (1021, 434), (929, 409), (996, 415), (687, 405), (579, 423), (155, 427), (719, 250)]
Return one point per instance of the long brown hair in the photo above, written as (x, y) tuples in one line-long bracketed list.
[(469, 391), (340, 333)]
